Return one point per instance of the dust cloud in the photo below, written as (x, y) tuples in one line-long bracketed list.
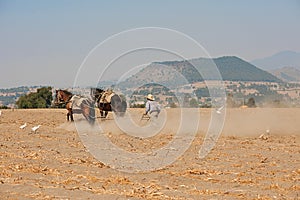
[(238, 122)]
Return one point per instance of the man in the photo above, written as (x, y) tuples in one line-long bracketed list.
[(152, 107)]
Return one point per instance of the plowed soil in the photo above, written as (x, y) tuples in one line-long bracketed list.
[(257, 156)]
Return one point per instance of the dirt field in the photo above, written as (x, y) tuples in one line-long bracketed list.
[(256, 157)]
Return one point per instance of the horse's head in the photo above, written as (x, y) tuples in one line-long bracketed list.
[(96, 93), (62, 96), (58, 97)]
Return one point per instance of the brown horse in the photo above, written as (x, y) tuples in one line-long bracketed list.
[(117, 104), (85, 106)]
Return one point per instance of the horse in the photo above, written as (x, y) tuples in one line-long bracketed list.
[(116, 105), (84, 106)]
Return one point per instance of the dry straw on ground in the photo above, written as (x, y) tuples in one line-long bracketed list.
[(54, 164)]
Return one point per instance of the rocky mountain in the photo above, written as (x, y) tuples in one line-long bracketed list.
[(279, 60), (176, 73), (288, 74)]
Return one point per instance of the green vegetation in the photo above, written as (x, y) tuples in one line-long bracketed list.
[(138, 106), (235, 69), (202, 92), (194, 103), (251, 103), (40, 99), (4, 107)]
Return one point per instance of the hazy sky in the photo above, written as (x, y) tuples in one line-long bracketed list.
[(45, 42)]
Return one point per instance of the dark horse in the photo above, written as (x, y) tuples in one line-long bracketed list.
[(85, 106), (117, 104)]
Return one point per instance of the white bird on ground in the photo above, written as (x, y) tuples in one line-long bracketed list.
[(0, 112), (265, 136), (219, 110), (35, 128), (23, 126)]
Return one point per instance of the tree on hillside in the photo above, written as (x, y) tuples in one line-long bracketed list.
[(230, 101), (40, 99), (194, 103), (202, 92), (251, 103)]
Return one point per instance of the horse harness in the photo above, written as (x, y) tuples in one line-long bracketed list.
[(73, 99)]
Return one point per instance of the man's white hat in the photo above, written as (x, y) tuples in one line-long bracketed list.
[(150, 97)]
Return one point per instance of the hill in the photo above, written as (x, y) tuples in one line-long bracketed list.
[(9, 96), (176, 73), (279, 60), (288, 74), (236, 69)]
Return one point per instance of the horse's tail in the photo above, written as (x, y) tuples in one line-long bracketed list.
[(88, 110), (123, 109), (91, 113), (118, 106)]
